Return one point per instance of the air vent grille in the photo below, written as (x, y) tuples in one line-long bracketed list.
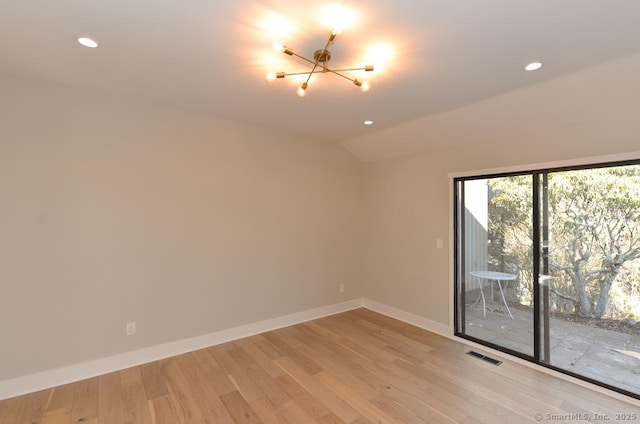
[(484, 357)]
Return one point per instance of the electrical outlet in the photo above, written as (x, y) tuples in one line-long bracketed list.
[(439, 244), (131, 328), (341, 288)]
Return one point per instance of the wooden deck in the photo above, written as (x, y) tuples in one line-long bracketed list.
[(355, 367)]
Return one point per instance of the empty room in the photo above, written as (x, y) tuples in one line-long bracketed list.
[(260, 211)]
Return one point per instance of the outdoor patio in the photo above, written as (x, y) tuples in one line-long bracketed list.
[(593, 352)]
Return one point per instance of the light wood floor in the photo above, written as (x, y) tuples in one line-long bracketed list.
[(356, 367)]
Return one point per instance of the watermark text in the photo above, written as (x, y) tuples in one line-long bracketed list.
[(586, 416)]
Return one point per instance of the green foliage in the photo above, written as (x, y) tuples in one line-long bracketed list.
[(594, 237), (509, 230)]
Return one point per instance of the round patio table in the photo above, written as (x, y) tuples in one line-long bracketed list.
[(493, 276)]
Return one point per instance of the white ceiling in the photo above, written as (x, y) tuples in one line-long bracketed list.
[(211, 56)]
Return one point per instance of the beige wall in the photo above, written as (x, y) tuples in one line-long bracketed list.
[(114, 211), (406, 199)]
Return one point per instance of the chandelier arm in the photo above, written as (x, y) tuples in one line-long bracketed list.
[(324, 68), (364, 85), (289, 74), (332, 36), (303, 58), (346, 69), (337, 72)]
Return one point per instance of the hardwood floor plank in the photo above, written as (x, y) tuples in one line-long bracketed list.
[(153, 381), (330, 419), (243, 383), (308, 402), (350, 372), (269, 388), (435, 379), (329, 398), (359, 403), (296, 414), (134, 398), (366, 339), (395, 341), (180, 392), (29, 409), (85, 402), (398, 412), (213, 372), (60, 404), (204, 392), (265, 362), (110, 407), (36, 406), (407, 331), (427, 409), (490, 410), (55, 416), (13, 410), (276, 339), (359, 343), (267, 412), (239, 409), (263, 344), (165, 411)]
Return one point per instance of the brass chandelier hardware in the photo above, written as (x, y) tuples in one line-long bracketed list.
[(320, 64)]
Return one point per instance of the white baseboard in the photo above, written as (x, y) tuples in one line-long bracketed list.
[(408, 317), (58, 376)]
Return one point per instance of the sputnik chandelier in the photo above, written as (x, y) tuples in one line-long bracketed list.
[(319, 66)]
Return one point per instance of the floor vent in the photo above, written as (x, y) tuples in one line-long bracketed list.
[(483, 357)]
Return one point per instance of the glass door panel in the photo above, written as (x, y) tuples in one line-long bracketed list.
[(495, 273), (592, 284)]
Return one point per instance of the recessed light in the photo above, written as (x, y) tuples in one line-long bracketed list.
[(368, 122), (87, 42), (533, 66)]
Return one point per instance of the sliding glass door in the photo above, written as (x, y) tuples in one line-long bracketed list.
[(548, 269)]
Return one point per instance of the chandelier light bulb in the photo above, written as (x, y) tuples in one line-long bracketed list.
[(271, 77), (277, 46), (302, 90), (364, 85), (338, 18)]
